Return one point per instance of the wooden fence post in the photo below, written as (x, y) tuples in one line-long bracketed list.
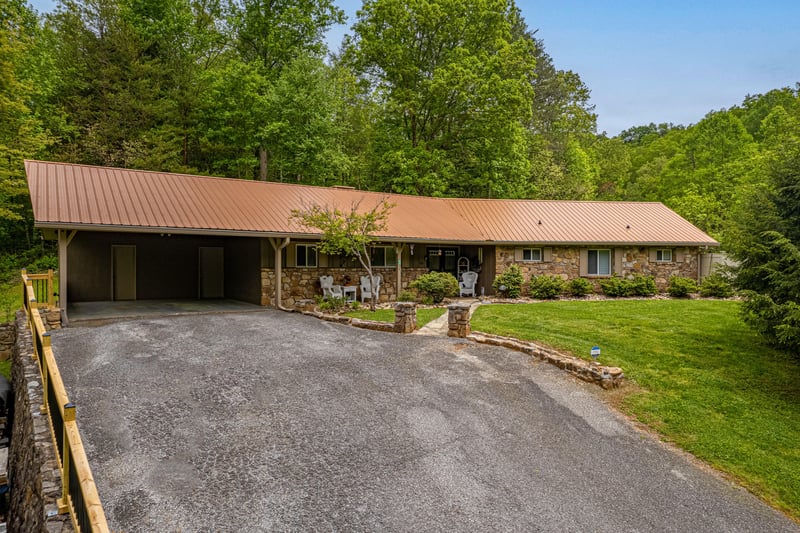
[(63, 502), (46, 345)]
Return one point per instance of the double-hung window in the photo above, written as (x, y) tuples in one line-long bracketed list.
[(531, 254), (384, 256), (306, 255), (599, 263), (664, 256)]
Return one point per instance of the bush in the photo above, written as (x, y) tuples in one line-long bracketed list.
[(580, 287), (680, 287), (512, 279), (43, 264), (642, 285), (437, 285), (716, 286), (615, 287), (407, 296), (330, 304), (546, 287)]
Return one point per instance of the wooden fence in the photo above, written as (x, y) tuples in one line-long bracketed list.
[(78, 492)]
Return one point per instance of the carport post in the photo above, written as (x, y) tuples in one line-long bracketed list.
[(64, 239), (278, 246), (398, 250)]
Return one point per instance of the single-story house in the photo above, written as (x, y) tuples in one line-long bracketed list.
[(132, 234)]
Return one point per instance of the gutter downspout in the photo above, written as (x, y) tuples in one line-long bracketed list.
[(279, 246)]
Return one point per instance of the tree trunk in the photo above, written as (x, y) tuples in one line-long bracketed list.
[(262, 163)]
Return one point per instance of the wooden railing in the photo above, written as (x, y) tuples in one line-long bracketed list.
[(78, 492)]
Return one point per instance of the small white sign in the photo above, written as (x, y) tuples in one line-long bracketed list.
[(595, 351)]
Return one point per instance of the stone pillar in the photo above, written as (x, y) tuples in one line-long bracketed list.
[(405, 317), (458, 320)]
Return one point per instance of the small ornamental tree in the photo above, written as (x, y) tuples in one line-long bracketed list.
[(348, 232)]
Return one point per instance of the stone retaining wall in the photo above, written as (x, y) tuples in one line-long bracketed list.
[(8, 338), (33, 471), (405, 319), (608, 377)]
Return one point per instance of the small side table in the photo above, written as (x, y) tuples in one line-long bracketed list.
[(349, 292)]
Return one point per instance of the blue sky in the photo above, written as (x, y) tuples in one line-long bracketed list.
[(659, 60)]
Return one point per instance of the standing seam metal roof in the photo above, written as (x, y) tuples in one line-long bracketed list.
[(81, 196)]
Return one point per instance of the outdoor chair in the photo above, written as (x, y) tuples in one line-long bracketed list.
[(329, 290), (366, 290), (466, 286)]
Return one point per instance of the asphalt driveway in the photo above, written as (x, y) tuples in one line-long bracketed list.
[(276, 421)]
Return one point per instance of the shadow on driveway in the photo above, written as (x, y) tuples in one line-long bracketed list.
[(276, 421)]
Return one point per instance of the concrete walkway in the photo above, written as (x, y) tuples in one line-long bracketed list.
[(438, 327)]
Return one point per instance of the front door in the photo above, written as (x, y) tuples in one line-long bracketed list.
[(443, 259), (123, 272), (212, 272)]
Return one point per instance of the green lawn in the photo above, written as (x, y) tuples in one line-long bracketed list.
[(705, 381), (424, 315)]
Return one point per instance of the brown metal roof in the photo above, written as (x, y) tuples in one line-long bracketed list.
[(81, 196)]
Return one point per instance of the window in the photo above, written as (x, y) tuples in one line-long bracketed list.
[(531, 254), (664, 256), (384, 256), (599, 263), (306, 255)]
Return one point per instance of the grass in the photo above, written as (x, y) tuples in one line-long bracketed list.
[(10, 299), (424, 315), (705, 381)]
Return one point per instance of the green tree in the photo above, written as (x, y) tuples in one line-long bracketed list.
[(349, 232), (766, 242), (455, 79)]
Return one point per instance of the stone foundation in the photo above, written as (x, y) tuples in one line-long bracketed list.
[(33, 469), (303, 283), (564, 262)]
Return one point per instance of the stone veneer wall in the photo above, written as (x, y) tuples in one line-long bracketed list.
[(303, 283), (33, 471), (635, 260)]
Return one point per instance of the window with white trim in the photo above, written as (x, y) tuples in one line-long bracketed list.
[(384, 256), (531, 254), (306, 255), (664, 255), (599, 263)]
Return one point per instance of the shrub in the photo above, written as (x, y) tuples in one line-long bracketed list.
[(680, 287), (330, 304), (43, 264), (642, 285), (407, 296), (437, 285), (512, 279), (615, 287), (546, 287), (716, 286), (580, 287)]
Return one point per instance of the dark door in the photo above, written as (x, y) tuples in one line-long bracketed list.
[(212, 272), (123, 272), (443, 259)]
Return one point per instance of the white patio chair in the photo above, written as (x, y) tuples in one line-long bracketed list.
[(329, 290), (366, 291), (466, 286)]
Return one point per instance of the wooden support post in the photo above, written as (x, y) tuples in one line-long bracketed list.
[(64, 239), (398, 250), (63, 502), (279, 245), (50, 289)]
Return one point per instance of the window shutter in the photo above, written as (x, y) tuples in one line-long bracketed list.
[(518, 254), (584, 261), (291, 255), (679, 257), (322, 259), (547, 254), (617, 266), (653, 257)]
